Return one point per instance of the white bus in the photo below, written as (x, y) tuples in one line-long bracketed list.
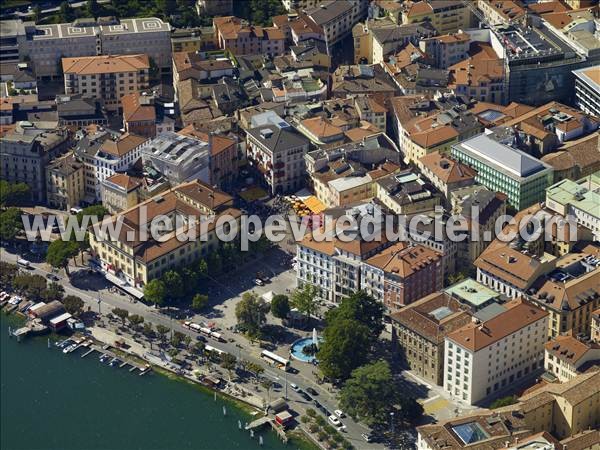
[(210, 348), (216, 336), (275, 360), (23, 263)]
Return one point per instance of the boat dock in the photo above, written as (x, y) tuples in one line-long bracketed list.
[(258, 422)]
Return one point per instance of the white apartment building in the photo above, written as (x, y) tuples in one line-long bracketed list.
[(587, 90), (46, 45), (116, 155), (337, 18), (482, 359)]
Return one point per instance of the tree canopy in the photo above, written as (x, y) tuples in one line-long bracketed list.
[(13, 194), (305, 300), (199, 302), (73, 304), (155, 292), (60, 252), (10, 224), (369, 393), (251, 313), (363, 308), (280, 306), (346, 345)]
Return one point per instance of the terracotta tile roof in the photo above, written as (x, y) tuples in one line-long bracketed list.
[(191, 64), (519, 314), (452, 38), (583, 153), (89, 65), (515, 109), (417, 317), (123, 145), (434, 136), (508, 9), (569, 295), (570, 349), (548, 7), (573, 391), (419, 8), (403, 260), (588, 439), (321, 127), (217, 143), (6, 104), (125, 181), (134, 111), (594, 74), (447, 169)]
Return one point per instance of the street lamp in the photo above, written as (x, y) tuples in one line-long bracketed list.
[(392, 423), (99, 307)]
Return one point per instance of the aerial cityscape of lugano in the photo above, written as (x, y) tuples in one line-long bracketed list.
[(301, 224)]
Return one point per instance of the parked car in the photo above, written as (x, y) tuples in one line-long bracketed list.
[(294, 386), (334, 420), (52, 277), (259, 282), (311, 391), (339, 413), (366, 437)]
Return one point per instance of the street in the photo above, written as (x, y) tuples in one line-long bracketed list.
[(93, 290)]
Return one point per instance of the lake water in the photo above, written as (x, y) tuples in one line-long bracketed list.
[(50, 400)]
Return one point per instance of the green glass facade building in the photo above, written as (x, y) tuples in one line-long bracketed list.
[(501, 168)]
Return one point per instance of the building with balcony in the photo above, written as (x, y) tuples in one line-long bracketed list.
[(336, 19), (65, 186), (242, 39), (446, 16), (277, 150), (106, 77), (116, 155), (135, 257)]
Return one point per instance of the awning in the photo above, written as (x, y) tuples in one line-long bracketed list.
[(124, 286), (314, 204)]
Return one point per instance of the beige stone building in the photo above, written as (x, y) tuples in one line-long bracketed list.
[(446, 16), (595, 328), (420, 329), (135, 258), (106, 77), (120, 192), (566, 357), (65, 179)]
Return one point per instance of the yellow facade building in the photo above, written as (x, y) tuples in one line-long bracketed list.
[(65, 180)]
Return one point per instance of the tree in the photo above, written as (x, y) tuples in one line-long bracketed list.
[(202, 270), (60, 252), (37, 12), (215, 263), (251, 313), (54, 291), (305, 300), (346, 344), (135, 320), (33, 286), (280, 306), (199, 348), (121, 314), (162, 331), (66, 13), (369, 393), (187, 340), (228, 362), (7, 273), (73, 304), (267, 384), (148, 330), (13, 194), (504, 401), (363, 308), (173, 285), (155, 292), (92, 7), (255, 369), (177, 339), (11, 224), (199, 302)]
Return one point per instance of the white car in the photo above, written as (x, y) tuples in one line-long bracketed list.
[(259, 282), (294, 386), (334, 420), (339, 413)]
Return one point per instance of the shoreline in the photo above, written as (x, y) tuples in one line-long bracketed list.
[(297, 437)]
